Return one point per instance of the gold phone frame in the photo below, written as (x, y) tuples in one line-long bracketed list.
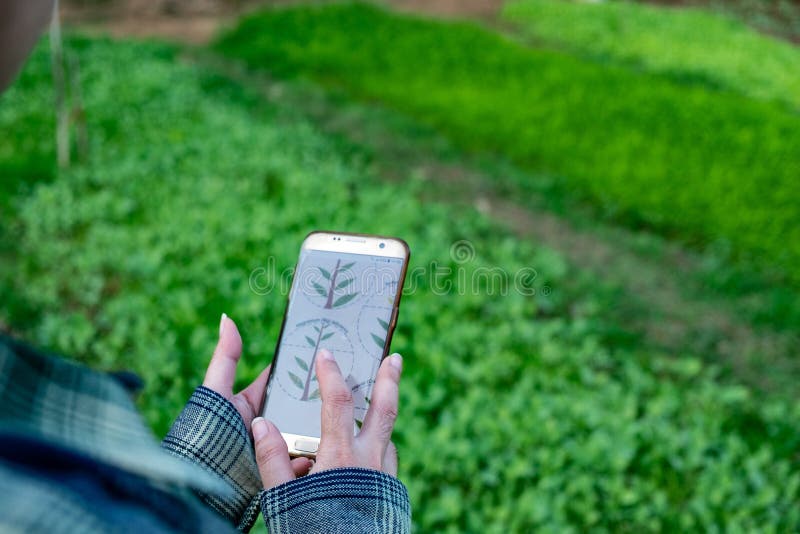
[(348, 243)]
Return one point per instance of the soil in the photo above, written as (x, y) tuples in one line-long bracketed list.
[(197, 21), (451, 8), (193, 22)]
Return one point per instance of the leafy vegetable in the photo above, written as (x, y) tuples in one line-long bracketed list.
[(515, 414), (655, 149)]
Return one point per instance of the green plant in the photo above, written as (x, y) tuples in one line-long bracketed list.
[(514, 414), (651, 150), (689, 44)]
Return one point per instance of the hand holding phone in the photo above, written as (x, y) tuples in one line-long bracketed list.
[(371, 448), (345, 298)]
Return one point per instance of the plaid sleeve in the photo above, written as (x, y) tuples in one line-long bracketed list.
[(211, 433), (340, 500)]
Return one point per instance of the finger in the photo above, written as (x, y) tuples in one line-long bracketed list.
[(302, 466), (337, 402), (390, 460), (221, 371), (254, 393), (272, 455), (382, 413)]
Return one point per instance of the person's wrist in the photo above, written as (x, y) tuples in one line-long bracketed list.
[(324, 501), (210, 433)]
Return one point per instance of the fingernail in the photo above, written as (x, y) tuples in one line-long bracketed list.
[(260, 428), (326, 355), (222, 323), (396, 361)]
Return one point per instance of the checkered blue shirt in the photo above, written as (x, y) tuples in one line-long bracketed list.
[(75, 456)]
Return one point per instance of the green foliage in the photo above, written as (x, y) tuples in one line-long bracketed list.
[(685, 43), (774, 17), (714, 166), (514, 415), (26, 146)]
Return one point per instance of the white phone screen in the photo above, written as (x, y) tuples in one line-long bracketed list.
[(342, 302)]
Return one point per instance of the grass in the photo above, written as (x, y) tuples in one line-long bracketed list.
[(126, 261), (688, 44), (650, 150)]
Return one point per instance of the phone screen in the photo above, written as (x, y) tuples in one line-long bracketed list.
[(342, 302)]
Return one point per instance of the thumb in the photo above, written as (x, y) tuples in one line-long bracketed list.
[(222, 369), (272, 455)]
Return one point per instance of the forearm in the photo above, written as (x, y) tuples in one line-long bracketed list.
[(210, 432)]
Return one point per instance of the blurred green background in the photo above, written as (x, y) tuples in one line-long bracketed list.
[(636, 166)]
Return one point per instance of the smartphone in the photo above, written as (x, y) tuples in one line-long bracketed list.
[(345, 297)]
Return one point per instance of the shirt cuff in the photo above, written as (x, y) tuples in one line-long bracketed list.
[(210, 432), (338, 500)]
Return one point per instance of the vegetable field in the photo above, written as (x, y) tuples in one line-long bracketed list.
[(518, 411), (649, 149)]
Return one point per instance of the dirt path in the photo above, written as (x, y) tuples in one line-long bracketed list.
[(450, 8), (197, 21)]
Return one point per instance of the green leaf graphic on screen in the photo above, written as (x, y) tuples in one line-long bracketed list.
[(344, 283), (336, 284), (307, 365), (344, 299), (380, 340), (319, 289), (360, 422), (296, 379)]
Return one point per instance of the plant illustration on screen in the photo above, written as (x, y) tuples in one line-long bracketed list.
[(307, 366), (361, 400), (299, 349), (336, 285), (380, 339), (359, 419)]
